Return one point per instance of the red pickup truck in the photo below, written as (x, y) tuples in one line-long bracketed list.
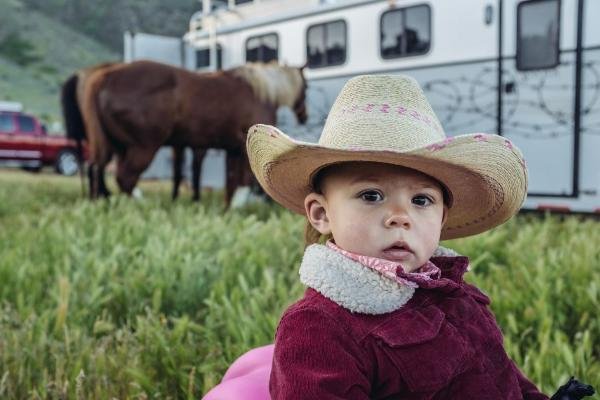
[(25, 143)]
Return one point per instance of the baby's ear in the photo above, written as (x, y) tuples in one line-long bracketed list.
[(315, 207)]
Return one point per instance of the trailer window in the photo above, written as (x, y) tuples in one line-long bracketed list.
[(326, 44), (203, 58), (26, 124), (7, 123), (405, 32), (263, 48), (538, 30)]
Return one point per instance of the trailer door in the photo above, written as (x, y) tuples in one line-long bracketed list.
[(590, 106), (144, 46), (538, 90)]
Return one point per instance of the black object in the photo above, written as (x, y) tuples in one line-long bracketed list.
[(573, 390)]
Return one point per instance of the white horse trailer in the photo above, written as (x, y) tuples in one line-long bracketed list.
[(526, 69)]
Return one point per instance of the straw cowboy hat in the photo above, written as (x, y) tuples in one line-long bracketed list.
[(387, 119)]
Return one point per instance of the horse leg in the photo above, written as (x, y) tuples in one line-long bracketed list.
[(246, 171), (96, 175), (93, 183), (131, 165), (102, 188), (199, 154), (232, 176), (178, 157)]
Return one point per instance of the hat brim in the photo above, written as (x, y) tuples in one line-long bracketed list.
[(485, 174)]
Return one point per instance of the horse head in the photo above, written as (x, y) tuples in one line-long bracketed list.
[(573, 390), (299, 106), (276, 85)]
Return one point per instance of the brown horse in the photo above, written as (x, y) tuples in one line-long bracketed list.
[(71, 99), (134, 109)]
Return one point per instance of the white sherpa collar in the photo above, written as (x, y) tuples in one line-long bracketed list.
[(351, 285)]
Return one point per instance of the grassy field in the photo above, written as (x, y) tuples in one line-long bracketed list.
[(150, 299)]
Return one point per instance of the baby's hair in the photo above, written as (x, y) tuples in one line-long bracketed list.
[(312, 236)]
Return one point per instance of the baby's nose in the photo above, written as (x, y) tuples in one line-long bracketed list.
[(397, 218)]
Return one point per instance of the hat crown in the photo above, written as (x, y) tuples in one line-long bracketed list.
[(380, 112)]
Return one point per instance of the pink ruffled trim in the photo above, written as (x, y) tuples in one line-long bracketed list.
[(391, 269)]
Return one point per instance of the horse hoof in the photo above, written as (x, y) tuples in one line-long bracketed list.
[(136, 193), (240, 197)]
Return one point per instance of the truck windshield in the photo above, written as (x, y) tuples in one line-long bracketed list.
[(7, 123)]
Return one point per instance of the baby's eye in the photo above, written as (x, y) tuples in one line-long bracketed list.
[(422, 200), (371, 196)]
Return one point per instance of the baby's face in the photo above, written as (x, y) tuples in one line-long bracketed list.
[(380, 210)]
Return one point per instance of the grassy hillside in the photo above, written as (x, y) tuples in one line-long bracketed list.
[(106, 20), (37, 54)]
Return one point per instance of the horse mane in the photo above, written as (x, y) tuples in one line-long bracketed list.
[(272, 83)]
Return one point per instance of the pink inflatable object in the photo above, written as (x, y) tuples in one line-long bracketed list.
[(247, 378)]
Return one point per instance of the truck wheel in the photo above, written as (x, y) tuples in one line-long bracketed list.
[(66, 163), (32, 169)]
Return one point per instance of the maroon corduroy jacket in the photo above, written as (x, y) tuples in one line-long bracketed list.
[(439, 341)]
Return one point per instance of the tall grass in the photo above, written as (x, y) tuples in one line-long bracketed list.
[(152, 299)]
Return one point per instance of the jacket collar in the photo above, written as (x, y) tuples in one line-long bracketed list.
[(357, 288)]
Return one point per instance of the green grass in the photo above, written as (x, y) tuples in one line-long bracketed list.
[(154, 299)]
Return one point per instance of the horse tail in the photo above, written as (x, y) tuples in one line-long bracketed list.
[(99, 145), (70, 108), (73, 119)]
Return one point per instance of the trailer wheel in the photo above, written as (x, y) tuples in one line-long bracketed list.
[(66, 163)]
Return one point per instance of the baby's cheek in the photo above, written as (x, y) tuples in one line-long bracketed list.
[(360, 236), (353, 234), (354, 230), (431, 234)]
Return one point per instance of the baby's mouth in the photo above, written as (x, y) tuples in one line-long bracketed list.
[(398, 252)]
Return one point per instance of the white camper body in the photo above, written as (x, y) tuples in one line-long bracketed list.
[(526, 69)]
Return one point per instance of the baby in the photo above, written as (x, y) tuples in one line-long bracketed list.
[(387, 314)]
